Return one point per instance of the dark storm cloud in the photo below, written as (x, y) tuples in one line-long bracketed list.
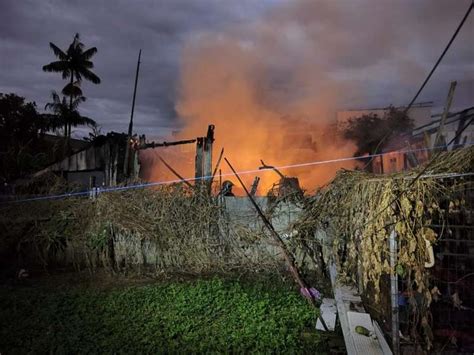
[(381, 50), (385, 47), (118, 29)]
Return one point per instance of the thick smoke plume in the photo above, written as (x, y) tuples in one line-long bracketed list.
[(272, 87)]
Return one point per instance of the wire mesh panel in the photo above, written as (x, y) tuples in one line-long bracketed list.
[(449, 322), (452, 277)]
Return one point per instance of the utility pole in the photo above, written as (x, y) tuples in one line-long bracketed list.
[(130, 126)]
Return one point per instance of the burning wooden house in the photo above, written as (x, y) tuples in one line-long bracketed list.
[(413, 148), (101, 163)]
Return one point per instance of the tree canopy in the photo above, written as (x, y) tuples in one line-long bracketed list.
[(371, 132), (20, 127), (67, 114), (74, 64)]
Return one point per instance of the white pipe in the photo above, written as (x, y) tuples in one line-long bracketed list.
[(431, 260)]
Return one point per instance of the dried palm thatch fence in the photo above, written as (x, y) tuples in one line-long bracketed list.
[(357, 213), (168, 229)]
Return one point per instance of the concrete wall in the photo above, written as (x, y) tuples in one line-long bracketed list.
[(239, 221)]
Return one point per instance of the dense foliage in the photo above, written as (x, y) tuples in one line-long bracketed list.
[(371, 132), (200, 316), (20, 132), (66, 114), (25, 146)]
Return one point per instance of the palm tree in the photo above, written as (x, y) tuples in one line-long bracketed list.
[(67, 114), (74, 65)]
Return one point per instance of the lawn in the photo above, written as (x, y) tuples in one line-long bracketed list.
[(188, 316)]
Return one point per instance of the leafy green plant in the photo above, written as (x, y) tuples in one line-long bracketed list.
[(200, 316), (97, 239)]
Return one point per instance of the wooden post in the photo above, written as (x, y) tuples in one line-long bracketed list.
[(198, 161), (411, 157), (253, 189), (459, 130), (217, 164), (442, 121), (203, 162), (427, 143), (92, 187), (207, 154)]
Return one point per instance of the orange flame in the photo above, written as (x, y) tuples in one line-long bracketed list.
[(223, 83)]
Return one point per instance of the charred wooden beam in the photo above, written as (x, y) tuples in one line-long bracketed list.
[(143, 145), (176, 173), (198, 159), (218, 163), (266, 167), (253, 189), (207, 153), (459, 130)]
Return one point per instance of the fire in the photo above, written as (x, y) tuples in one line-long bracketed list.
[(279, 141), (266, 103)]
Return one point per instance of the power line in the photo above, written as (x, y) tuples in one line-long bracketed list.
[(442, 55), (433, 159), (243, 172)]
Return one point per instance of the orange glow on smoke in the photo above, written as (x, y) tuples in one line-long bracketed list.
[(220, 86)]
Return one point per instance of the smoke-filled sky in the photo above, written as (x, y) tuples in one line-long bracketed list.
[(301, 57)]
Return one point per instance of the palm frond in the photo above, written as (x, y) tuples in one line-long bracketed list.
[(51, 122), (56, 67), (76, 47), (66, 74), (88, 64), (56, 101), (76, 102), (55, 96), (77, 120), (87, 54), (78, 76), (58, 52), (89, 75)]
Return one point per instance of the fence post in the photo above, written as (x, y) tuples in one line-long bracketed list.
[(198, 160), (92, 188), (394, 293)]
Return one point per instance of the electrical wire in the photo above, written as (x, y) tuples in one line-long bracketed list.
[(230, 174), (442, 55)]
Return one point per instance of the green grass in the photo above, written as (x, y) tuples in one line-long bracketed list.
[(200, 316)]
